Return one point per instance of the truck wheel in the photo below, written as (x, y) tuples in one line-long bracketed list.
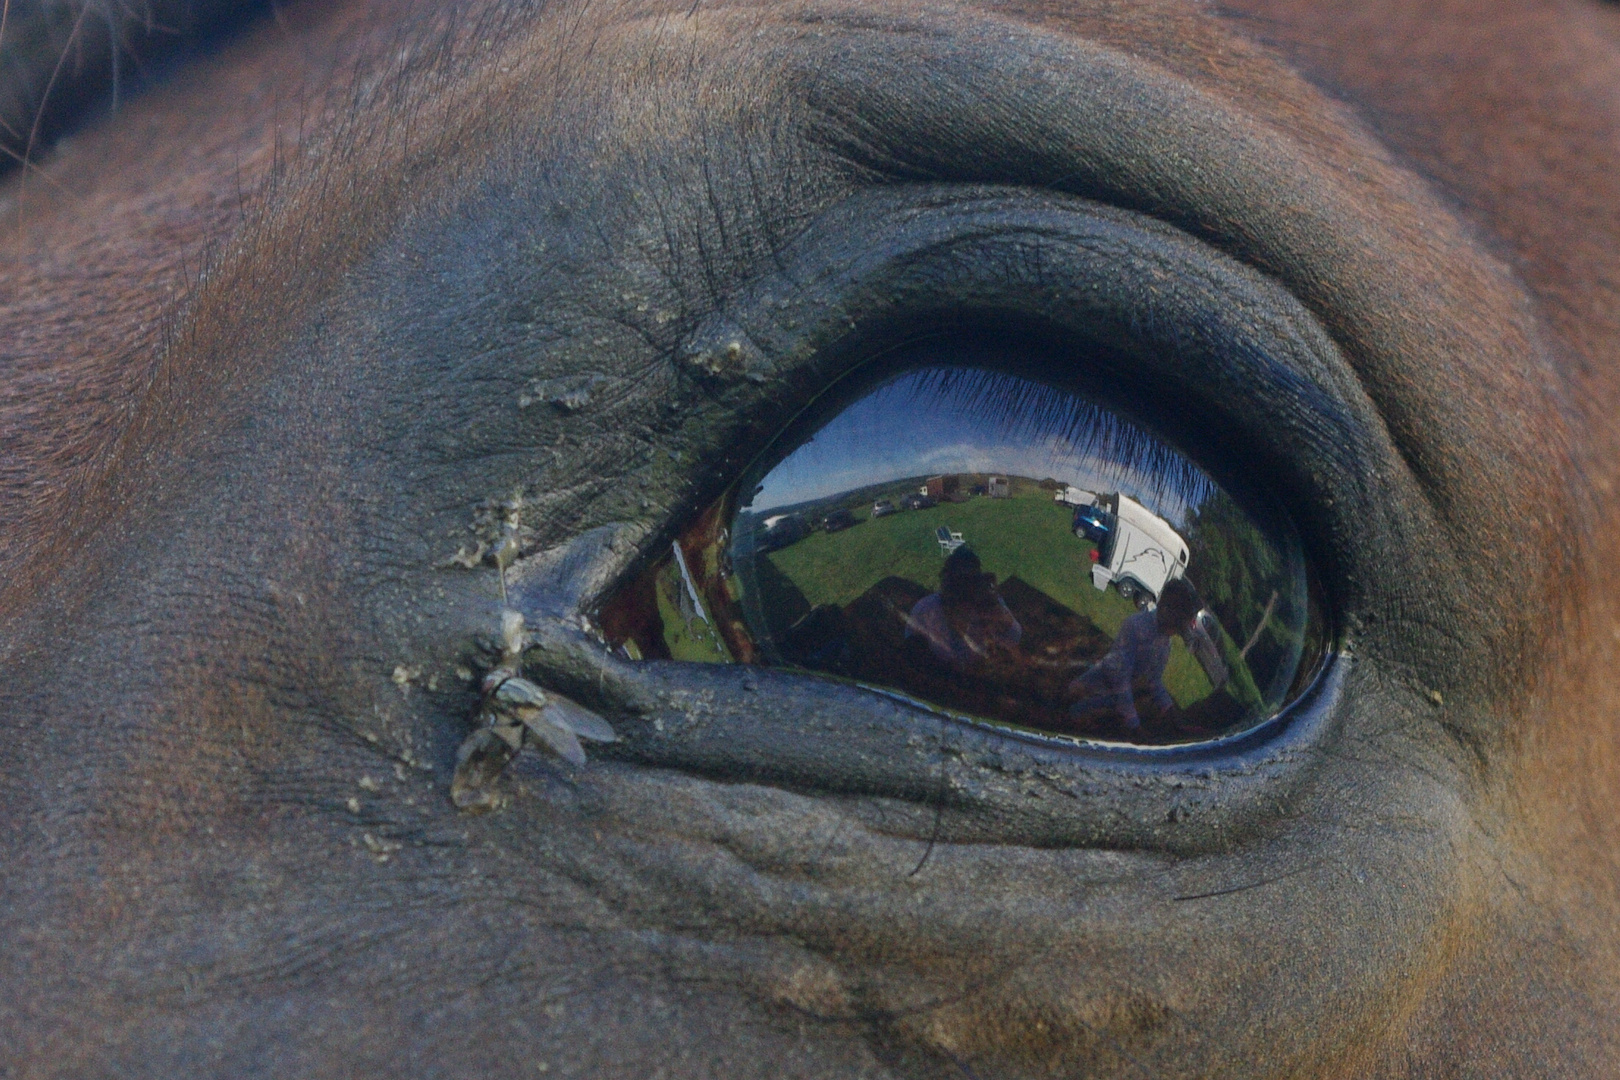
[(1127, 589)]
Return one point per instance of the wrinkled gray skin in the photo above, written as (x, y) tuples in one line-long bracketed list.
[(1394, 323)]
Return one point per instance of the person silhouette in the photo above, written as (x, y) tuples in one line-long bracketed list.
[(1137, 659), (966, 619)]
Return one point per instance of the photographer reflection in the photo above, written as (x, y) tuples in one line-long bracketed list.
[(966, 620), (1135, 664)]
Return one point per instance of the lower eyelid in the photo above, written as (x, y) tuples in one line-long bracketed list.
[(763, 725)]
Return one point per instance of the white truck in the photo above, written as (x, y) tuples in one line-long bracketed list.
[(1139, 552)]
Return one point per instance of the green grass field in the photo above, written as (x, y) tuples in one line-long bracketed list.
[(694, 641), (1027, 536)]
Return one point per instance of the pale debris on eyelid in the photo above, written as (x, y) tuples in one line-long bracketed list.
[(512, 632)]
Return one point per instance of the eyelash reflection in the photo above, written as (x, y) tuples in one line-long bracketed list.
[(993, 548)]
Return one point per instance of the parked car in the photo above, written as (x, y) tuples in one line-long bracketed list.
[(781, 530), (1092, 523), (883, 508), (838, 520), (917, 501)]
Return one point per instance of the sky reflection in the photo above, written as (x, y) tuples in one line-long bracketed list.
[(963, 420)]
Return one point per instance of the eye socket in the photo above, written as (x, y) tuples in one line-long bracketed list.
[(995, 548)]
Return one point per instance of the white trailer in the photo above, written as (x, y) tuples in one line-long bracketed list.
[(1142, 552), (1073, 496)]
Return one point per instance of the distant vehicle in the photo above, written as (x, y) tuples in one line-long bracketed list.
[(915, 500), (1092, 522), (1074, 496), (1140, 552), (780, 530), (948, 541), (883, 508), (837, 521), (999, 487)]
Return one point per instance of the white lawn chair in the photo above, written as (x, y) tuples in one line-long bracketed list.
[(948, 541)]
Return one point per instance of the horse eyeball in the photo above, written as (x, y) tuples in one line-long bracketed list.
[(996, 549)]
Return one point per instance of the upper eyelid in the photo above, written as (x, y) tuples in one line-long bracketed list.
[(1302, 366), (864, 262)]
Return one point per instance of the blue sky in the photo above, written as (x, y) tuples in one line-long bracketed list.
[(921, 424)]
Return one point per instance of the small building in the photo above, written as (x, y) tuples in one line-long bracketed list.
[(941, 488), (998, 487)]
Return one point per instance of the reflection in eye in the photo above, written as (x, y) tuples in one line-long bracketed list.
[(998, 549)]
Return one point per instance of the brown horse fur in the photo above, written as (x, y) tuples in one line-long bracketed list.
[(265, 329), (62, 59)]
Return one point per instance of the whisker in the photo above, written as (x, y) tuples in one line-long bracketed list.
[(1246, 886)]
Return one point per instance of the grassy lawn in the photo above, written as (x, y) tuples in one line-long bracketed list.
[(1027, 535), (694, 641)]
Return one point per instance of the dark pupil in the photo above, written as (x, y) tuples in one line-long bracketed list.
[(992, 547)]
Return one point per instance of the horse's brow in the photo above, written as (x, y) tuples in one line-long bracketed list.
[(63, 62)]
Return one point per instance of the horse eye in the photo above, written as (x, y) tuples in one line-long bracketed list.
[(996, 549)]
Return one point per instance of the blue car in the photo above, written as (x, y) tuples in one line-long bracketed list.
[(1092, 523)]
